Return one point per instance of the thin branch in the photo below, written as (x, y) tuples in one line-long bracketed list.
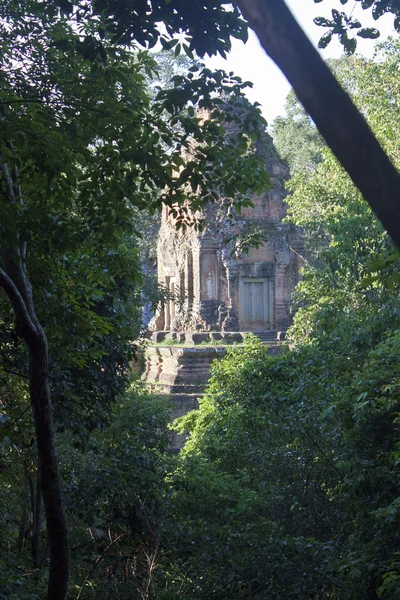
[(14, 421), (97, 561), (322, 451), (58, 104), (300, 256), (17, 301), (9, 182)]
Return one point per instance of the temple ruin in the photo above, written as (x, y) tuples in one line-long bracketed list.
[(214, 285), (218, 292)]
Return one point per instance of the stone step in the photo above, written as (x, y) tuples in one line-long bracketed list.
[(176, 369), (182, 373), (270, 336), (165, 389), (186, 369), (181, 405)]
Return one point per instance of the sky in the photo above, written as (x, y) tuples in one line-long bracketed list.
[(270, 88)]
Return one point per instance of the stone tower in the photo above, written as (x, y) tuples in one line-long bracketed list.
[(216, 285)]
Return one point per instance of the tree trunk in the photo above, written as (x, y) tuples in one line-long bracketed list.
[(24, 514), (36, 521), (15, 283), (344, 129), (49, 471)]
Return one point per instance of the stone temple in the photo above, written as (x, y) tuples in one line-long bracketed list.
[(214, 284), (218, 292)]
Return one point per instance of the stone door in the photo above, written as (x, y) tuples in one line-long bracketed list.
[(254, 304)]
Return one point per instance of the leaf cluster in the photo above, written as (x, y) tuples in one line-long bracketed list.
[(341, 23)]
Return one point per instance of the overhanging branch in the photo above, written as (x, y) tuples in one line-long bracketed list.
[(338, 120)]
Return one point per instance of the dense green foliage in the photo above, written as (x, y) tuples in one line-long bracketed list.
[(113, 491), (92, 150), (288, 485), (294, 459), (86, 147)]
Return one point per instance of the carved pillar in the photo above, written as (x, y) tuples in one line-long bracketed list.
[(231, 320), (283, 257)]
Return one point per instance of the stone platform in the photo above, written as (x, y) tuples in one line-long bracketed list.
[(210, 337)]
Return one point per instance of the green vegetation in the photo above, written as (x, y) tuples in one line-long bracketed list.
[(289, 482), (288, 485), (296, 138), (225, 342), (113, 492), (294, 460), (85, 149)]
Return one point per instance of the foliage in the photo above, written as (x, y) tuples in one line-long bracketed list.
[(343, 23), (91, 151), (288, 486), (113, 491), (84, 147), (349, 256), (292, 460), (296, 137), (372, 87), (19, 576)]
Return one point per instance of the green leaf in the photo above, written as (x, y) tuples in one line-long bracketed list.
[(368, 32)]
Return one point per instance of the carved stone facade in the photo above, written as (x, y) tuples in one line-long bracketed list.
[(216, 286)]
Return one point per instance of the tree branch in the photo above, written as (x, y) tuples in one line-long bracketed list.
[(338, 120), (9, 182), (98, 561), (18, 303)]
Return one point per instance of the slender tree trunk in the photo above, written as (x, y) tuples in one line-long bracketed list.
[(15, 282), (336, 117), (24, 514), (35, 495), (49, 475), (49, 471), (37, 521)]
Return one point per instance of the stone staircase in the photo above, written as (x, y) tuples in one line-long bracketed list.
[(181, 370), (270, 336)]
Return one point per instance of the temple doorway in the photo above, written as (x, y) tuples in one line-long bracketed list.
[(254, 304)]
